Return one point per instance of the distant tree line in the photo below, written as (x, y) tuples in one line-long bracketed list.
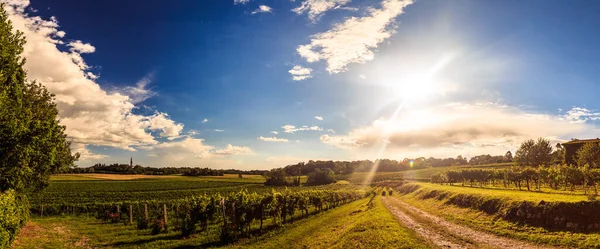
[(537, 163), (324, 172), (117, 168)]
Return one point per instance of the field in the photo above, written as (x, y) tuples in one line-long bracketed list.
[(476, 217), (392, 213), (369, 226)]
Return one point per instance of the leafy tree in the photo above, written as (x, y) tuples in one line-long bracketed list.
[(509, 156), (589, 154), (276, 177), (320, 177), (33, 144), (534, 153)]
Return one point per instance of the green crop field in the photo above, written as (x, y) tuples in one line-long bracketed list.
[(79, 212)]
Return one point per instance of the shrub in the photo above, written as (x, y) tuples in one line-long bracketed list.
[(320, 177), (14, 212)]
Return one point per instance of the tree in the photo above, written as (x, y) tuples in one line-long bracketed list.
[(276, 177), (33, 144), (589, 154), (509, 156), (534, 153), (320, 177)]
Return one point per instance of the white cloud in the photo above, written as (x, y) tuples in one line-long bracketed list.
[(581, 115), (316, 8), (292, 129), (161, 122), (219, 130), (262, 9), (204, 121), (232, 150), (139, 93), (319, 118), (92, 116), (84, 153), (459, 127), (300, 73), (353, 40), (183, 150), (241, 1), (331, 130), (80, 47), (273, 139), (192, 148), (274, 132)]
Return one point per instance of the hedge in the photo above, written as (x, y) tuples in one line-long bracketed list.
[(14, 212)]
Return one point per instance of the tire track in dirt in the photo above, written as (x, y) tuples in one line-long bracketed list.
[(482, 238), (433, 236)]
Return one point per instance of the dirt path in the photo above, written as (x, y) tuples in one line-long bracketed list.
[(447, 234)]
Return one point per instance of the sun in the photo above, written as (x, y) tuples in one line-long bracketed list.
[(414, 87), (417, 82)]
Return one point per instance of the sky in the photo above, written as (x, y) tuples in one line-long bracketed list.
[(257, 84)]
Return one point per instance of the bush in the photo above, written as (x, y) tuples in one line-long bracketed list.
[(390, 192), (14, 212), (320, 177)]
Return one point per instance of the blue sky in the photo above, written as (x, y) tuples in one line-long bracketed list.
[(221, 83)]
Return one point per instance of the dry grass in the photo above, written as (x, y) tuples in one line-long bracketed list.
[(105, 176)]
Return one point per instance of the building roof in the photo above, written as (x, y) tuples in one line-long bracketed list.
[(581, 141)]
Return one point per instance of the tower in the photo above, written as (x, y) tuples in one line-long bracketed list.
[(131, 162)]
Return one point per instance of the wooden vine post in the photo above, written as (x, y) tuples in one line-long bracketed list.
[(42, 211), (165, 213), (145, 211), (130, 215), (224, 219)]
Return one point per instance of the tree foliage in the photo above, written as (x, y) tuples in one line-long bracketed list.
[(589, 154), (33, 144), (320, 177), (534, 153)]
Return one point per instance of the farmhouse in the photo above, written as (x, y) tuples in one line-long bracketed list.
[(573, 146)]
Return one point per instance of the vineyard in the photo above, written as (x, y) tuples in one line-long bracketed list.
[(223, 215), (531, 178)]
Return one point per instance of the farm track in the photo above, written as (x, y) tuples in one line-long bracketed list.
[(445, 234)]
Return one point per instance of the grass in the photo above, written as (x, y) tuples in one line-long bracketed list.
[(351, 226), (493, 224), (354, 225), (119, 177), (422, 175), (517, 195)]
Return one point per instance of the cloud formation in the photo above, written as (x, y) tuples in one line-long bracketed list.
[(92, 115), (353, 40), (262, 9), (80, 47), (292, 129), (273, 139), (458, 126), (232, 150), (139, 93), (319, 118), (316, 8), (300, 73), (581, 115), (241, 1)]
